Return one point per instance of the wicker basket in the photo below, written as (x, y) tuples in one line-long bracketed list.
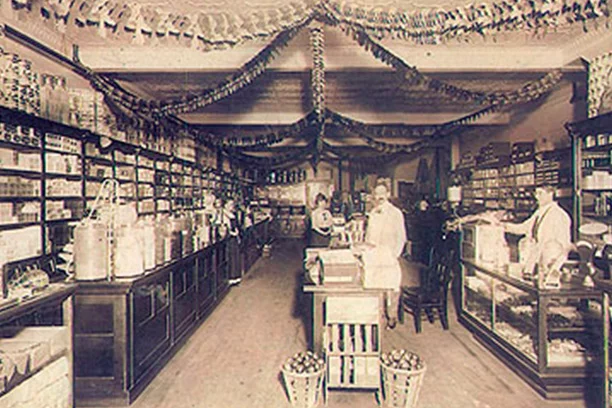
[(401, 388), (304, 389)]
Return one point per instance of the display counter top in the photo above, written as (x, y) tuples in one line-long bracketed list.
[(125, 284), (573, 287), (54, 294)]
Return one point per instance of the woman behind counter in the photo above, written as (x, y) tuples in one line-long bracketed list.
[(320, 222)]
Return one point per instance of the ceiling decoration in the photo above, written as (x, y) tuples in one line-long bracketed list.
[(221, 27), (412, 75), (317, 118)]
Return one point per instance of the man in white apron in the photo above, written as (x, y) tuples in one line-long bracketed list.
[(387, 233), (549, 227)]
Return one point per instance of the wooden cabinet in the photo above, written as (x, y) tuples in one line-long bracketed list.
[(206, 281), (184, 293), (127, 329)]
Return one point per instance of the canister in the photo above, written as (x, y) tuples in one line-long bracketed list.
[(91, 251), (129, 260)]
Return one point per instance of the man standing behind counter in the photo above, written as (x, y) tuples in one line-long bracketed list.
[(387, 233), (548, 228)]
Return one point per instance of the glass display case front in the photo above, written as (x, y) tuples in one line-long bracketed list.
[(550, 337)]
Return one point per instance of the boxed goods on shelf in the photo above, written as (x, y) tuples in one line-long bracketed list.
[(11, 213), (20, 243), (16, 186), (62, 143), (16, 160), (23, 135), (58, 187), (62, 164), (55, 210)]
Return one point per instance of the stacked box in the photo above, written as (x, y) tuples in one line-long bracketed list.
[(63, 164), (16, 186), (58, 187), (55, 210), (62, 143), (20, 243)]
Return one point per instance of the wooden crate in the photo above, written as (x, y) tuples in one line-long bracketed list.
[(352, 342)]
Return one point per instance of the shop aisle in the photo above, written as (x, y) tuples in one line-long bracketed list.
[(233, 359)]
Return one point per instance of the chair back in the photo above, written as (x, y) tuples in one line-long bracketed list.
[(439, 273)]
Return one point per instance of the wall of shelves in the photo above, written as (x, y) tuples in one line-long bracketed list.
[(50, 174), (507, 181)]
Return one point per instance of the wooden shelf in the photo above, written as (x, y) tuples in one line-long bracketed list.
[(19, 172)]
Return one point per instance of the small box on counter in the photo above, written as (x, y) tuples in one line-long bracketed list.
[(339, 267)]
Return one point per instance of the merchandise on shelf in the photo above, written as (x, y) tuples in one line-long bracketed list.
[(20, 243), (16, 160), (18, 212), (62, 143), (58, 187), (16, 186), (22, 135), (62, 164), (99, 170)]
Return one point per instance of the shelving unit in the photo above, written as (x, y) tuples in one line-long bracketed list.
[(506, 180), (549, 337), (592, 152)]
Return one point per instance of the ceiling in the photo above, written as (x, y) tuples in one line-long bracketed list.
[(357, 84)]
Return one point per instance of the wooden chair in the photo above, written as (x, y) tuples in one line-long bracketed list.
[(432, 294)]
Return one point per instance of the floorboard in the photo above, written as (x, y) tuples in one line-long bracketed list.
[(234, 357)]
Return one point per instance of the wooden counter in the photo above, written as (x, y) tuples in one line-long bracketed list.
[(127, 329)]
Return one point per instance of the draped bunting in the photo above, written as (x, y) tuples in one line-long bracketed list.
[(317, 74), (257, 65), (436, 26), (264, 141), (529, 91), (222, 29), (249, 72)]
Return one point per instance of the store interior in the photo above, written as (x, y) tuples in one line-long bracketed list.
[(165, 168)]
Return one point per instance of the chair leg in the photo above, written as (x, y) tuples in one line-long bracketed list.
[(401, 312), (429, 313), (417, 319), (443, 310)]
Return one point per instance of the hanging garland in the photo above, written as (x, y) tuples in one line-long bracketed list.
[(218, 30), (361, 130), (298, 153), (248, 73), (317, 73), (435, 26), (526, 93), (206, 30)]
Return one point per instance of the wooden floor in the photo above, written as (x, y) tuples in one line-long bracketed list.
[(234, 357)]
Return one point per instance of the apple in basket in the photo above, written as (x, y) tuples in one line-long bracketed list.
[(304, 362), (401, 360)]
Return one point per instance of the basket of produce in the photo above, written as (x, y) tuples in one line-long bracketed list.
[(303, 376), (402, 375)]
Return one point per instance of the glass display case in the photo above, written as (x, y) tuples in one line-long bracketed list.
[(606, 288), (550, 337)]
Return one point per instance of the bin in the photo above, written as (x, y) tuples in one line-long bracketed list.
[(401, 388), (303, 389)]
